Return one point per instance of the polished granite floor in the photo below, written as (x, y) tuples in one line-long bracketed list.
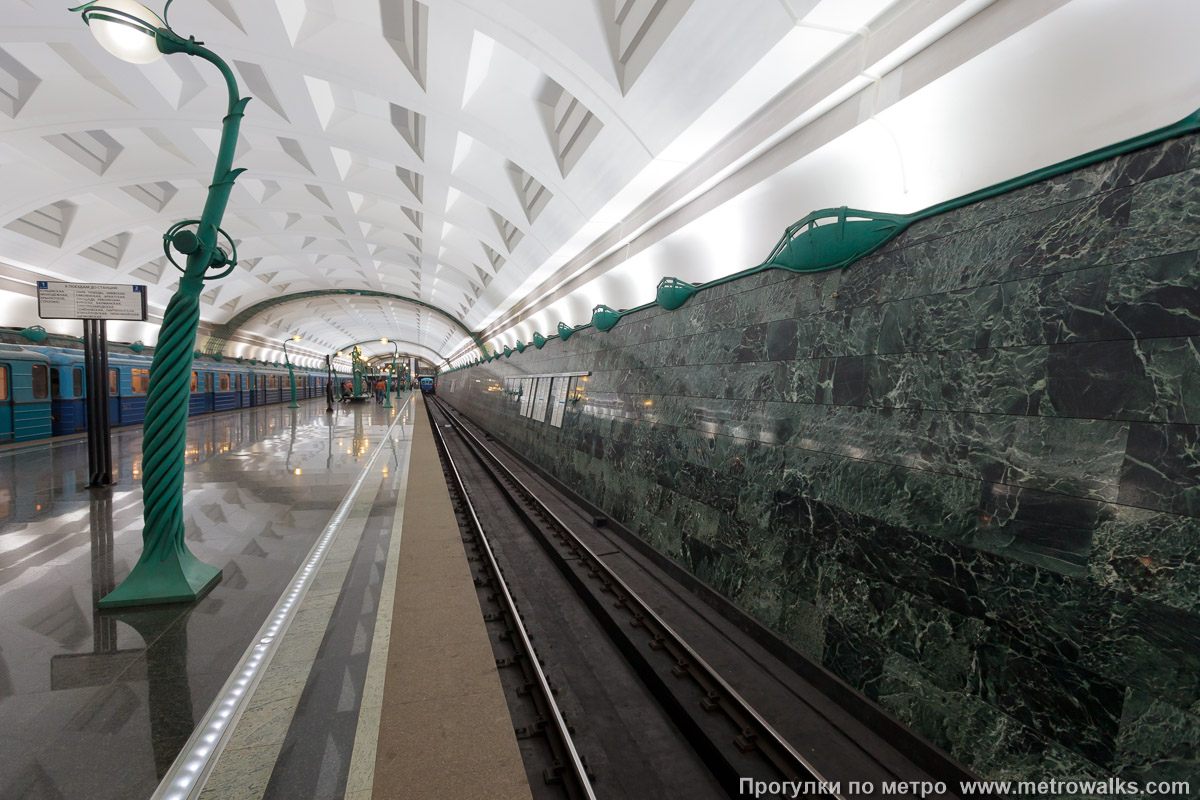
[(97, 705)]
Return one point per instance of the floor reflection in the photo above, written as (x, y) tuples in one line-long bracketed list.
[(97, 705)]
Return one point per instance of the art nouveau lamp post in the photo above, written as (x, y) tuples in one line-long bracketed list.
[(291, 372), (358, 366), (167, 572), (387, 395)]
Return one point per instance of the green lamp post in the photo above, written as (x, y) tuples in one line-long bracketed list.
[(291, 372), (336, 376), (167, 572), (387, 395), (358, 367)]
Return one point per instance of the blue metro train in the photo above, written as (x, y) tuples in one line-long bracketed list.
[(43, 389)]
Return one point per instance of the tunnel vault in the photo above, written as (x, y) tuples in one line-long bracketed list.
[(221, 334)]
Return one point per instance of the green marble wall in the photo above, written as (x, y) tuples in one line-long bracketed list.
[(963, 474)]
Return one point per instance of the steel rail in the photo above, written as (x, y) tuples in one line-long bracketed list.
[(575, 763), (757, 732)]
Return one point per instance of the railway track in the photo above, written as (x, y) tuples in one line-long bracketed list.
[(728, 737)]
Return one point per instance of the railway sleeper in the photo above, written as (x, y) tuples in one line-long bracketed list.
[(711, 702), (746, 741), (529, 688), (510, 661), (554, 775)]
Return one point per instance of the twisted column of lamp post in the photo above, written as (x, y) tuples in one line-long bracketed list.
[(167, 570)]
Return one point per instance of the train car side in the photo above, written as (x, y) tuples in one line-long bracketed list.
[(24, 394)]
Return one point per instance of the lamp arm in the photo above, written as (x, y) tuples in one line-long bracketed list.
[(223, 173)]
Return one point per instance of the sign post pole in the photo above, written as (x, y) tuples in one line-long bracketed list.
[(328, 386), (95, 304), (99, 431)]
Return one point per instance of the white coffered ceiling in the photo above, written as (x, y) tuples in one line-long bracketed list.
[(513, 162)]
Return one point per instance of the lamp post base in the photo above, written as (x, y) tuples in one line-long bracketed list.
[(180, 579)]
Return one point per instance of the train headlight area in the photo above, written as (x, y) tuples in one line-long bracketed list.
[(388, 571)]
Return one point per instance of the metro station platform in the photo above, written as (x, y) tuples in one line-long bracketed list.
[(342, 654)]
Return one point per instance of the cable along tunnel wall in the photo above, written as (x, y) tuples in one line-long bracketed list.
[(961, 473)]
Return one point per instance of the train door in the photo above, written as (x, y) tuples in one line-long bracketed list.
[(79, 396), (68, 412), (195, 402), (6, 403), (56, 399), (114, 396), (133, 406), (209, 400), (29, 388)]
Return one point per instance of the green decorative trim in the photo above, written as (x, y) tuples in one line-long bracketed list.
[(539, 341), (835, 238), (605, 318), (673, 292), (35, 333), (138, 346)]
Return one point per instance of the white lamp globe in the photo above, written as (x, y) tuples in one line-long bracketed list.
[(130, 40)]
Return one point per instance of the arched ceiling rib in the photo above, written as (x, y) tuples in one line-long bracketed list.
[(434, 328), (373, 349), (511, 163)]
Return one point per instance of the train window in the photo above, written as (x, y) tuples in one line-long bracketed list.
[(77, 382), (139, 380), (114, 383), (55, 384), (195, 381), (41, 381), (3, 383), (223, 384)]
